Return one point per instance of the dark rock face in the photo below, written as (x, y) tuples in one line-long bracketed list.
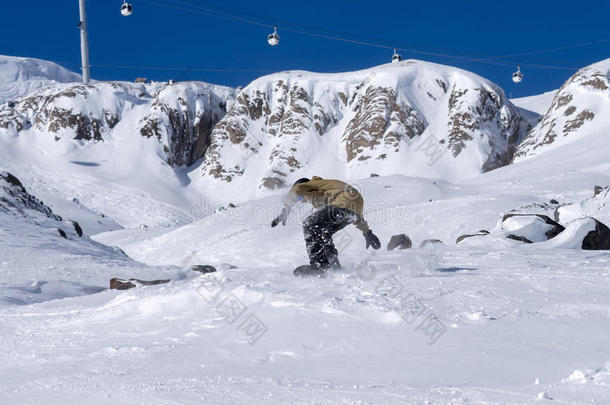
[(118, 284), (182, 117), (597, 190), (472, 109), (460, 238), (10, 179), (204, 268), (400, 241), (550, 234), (77, 229), (16, 200), (598, 239)]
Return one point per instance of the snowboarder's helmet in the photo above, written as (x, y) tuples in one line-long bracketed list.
[(301, 180)]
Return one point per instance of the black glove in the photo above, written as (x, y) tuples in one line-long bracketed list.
[(281, 218), (372, 240)]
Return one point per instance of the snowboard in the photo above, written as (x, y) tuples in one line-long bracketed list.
[(309, 271)]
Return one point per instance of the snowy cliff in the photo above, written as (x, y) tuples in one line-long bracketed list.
[(579, 109), (179, 116), (412, 118)]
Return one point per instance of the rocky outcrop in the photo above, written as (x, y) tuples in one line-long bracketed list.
[(400, 118), (181, 117), (598, 238), (578, 109), (17, 202)]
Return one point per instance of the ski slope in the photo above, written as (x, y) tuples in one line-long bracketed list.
[(521, 322)]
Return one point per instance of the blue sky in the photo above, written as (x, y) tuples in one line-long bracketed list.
[(162, 37)]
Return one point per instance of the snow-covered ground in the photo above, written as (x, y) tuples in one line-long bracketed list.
[(515, 322), (496, 322)]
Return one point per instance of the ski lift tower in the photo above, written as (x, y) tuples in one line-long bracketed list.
[(84, 43)]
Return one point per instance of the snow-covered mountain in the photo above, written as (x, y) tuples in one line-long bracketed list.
[(412, 118), (179, 116), (20, 76), (580, 108)]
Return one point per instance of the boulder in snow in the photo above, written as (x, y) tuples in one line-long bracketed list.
[(598, 238), (460, 238), (530, 227), (120, 284), (597, 190), (204, 268), (400, 241)]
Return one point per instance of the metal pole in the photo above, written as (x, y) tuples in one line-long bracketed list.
[(84, 43)]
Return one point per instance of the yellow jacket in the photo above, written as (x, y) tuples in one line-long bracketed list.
[(320, 192)]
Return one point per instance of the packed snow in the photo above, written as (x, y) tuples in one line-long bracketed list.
[(489, 320)]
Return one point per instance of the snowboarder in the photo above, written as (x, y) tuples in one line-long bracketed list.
[(338, 205)]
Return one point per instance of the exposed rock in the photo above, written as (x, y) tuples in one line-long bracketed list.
[(15, 199), (598, 239), (430, 242), (10, 179), (460, 238), (519, 238), (553, 201), (280, 124), (120, 284), (597, 190), (203, 268), (62, 233), (180, 117), (400, 241), (77, 228)]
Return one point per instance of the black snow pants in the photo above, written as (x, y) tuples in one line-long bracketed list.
[(319, 228)]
